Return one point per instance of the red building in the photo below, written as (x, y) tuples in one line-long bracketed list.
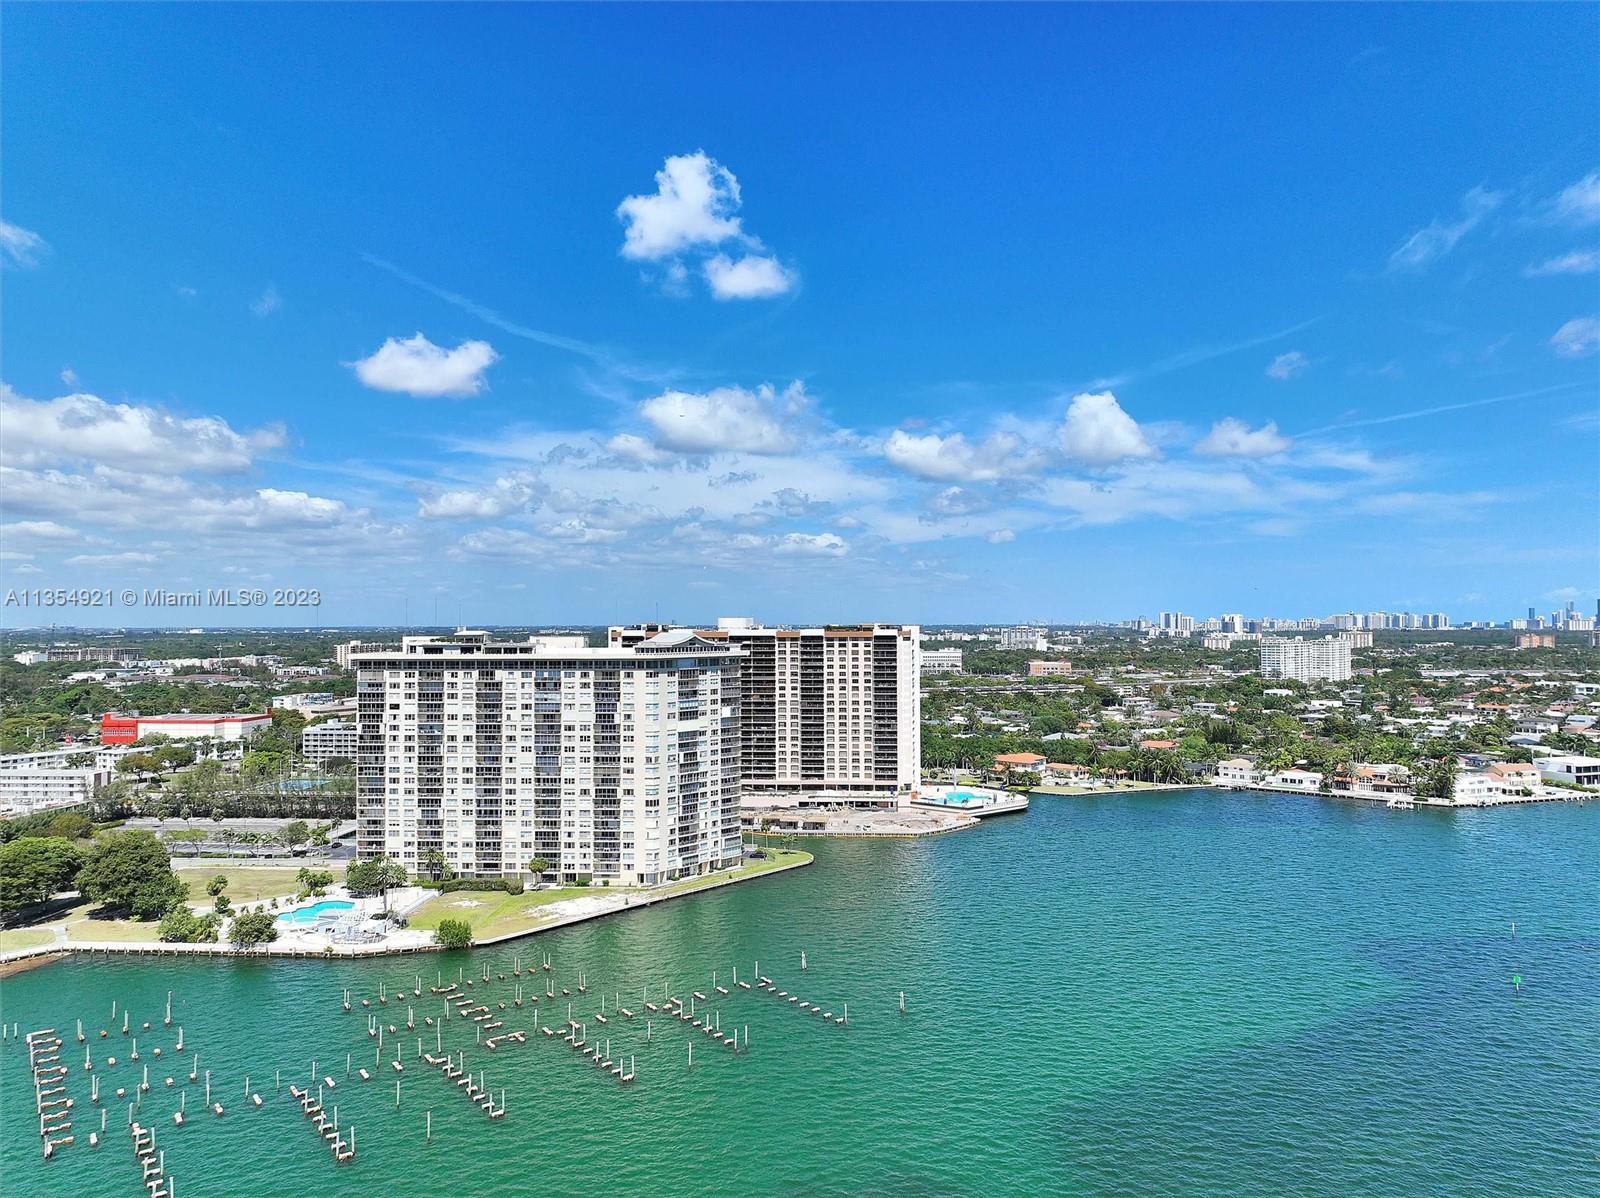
[(125, 729)]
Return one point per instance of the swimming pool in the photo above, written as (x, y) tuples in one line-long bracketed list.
[(310, 914), (956, 798)]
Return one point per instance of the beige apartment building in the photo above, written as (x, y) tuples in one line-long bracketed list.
[(828, 714), (616, 764)]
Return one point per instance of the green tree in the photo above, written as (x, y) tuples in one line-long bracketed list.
[(256, 928), (295, 832), (32, 868), (538, 867), (374, 876), (178, 926), (130, 871), (217, 885), (314, 882), (453, 933)]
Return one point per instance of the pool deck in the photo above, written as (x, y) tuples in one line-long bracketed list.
[(978, 802)]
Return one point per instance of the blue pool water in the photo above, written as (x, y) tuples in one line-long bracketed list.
[(957, 798), (309, 914)]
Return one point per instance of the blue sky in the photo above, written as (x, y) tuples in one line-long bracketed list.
[(539, 314)]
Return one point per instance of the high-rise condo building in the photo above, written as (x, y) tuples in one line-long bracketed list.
[(1323, 660), (618, 764), (834, 710)]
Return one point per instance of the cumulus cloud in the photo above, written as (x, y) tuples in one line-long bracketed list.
[(751, 277), (729, 419), (504, 496), (1437, 238), (1098, 432), (633, 448), (416, 366), (952, 458), (1577, 338), (86, 427), (695, 204), (1578, 262), (1286, 366), (268, 302), (21, 247), (695, 209), (38, 530), (1001, 536), (1231, 438)]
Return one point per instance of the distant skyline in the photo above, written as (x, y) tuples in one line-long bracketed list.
[(531, 315)]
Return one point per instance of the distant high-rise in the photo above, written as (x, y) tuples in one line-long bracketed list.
[(1323, 660), (836, 709)]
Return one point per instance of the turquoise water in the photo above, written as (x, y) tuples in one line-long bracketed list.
[(1186, 993), (309, 914)]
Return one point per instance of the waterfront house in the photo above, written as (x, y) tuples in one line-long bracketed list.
[(1236, 771), (1019, 762), (1300, 780)]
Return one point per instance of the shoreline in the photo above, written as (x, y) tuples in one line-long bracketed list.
[(28, 958)]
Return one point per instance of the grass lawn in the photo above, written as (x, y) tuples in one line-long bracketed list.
[(84, 928), (775, 858), (248, 884), (24, 938), (495, 913)]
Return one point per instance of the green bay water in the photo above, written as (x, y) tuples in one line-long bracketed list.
[(1190, 993)]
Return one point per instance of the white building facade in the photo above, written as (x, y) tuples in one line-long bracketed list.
[(940, 661), (1324, 660), (834, 710), (616, 765), (332, 738), (34, 788)]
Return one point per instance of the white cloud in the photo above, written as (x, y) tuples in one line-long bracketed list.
[(958, 501), (268, 302), (695, 204), (130, 558), (1577, 262), (21, 247), (751, 277), (38, 530), (1578, 204), (694, 210), (729, 419), (822, 544), (504, 496), (1286, 366), (296, 507), (634, 448), (1437, 238), (1231, 438), (82, 426), (69, 376), (952, 458), (1098, 432), (1001, 536), (579, 531), (1577, 338), (416, 366)]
